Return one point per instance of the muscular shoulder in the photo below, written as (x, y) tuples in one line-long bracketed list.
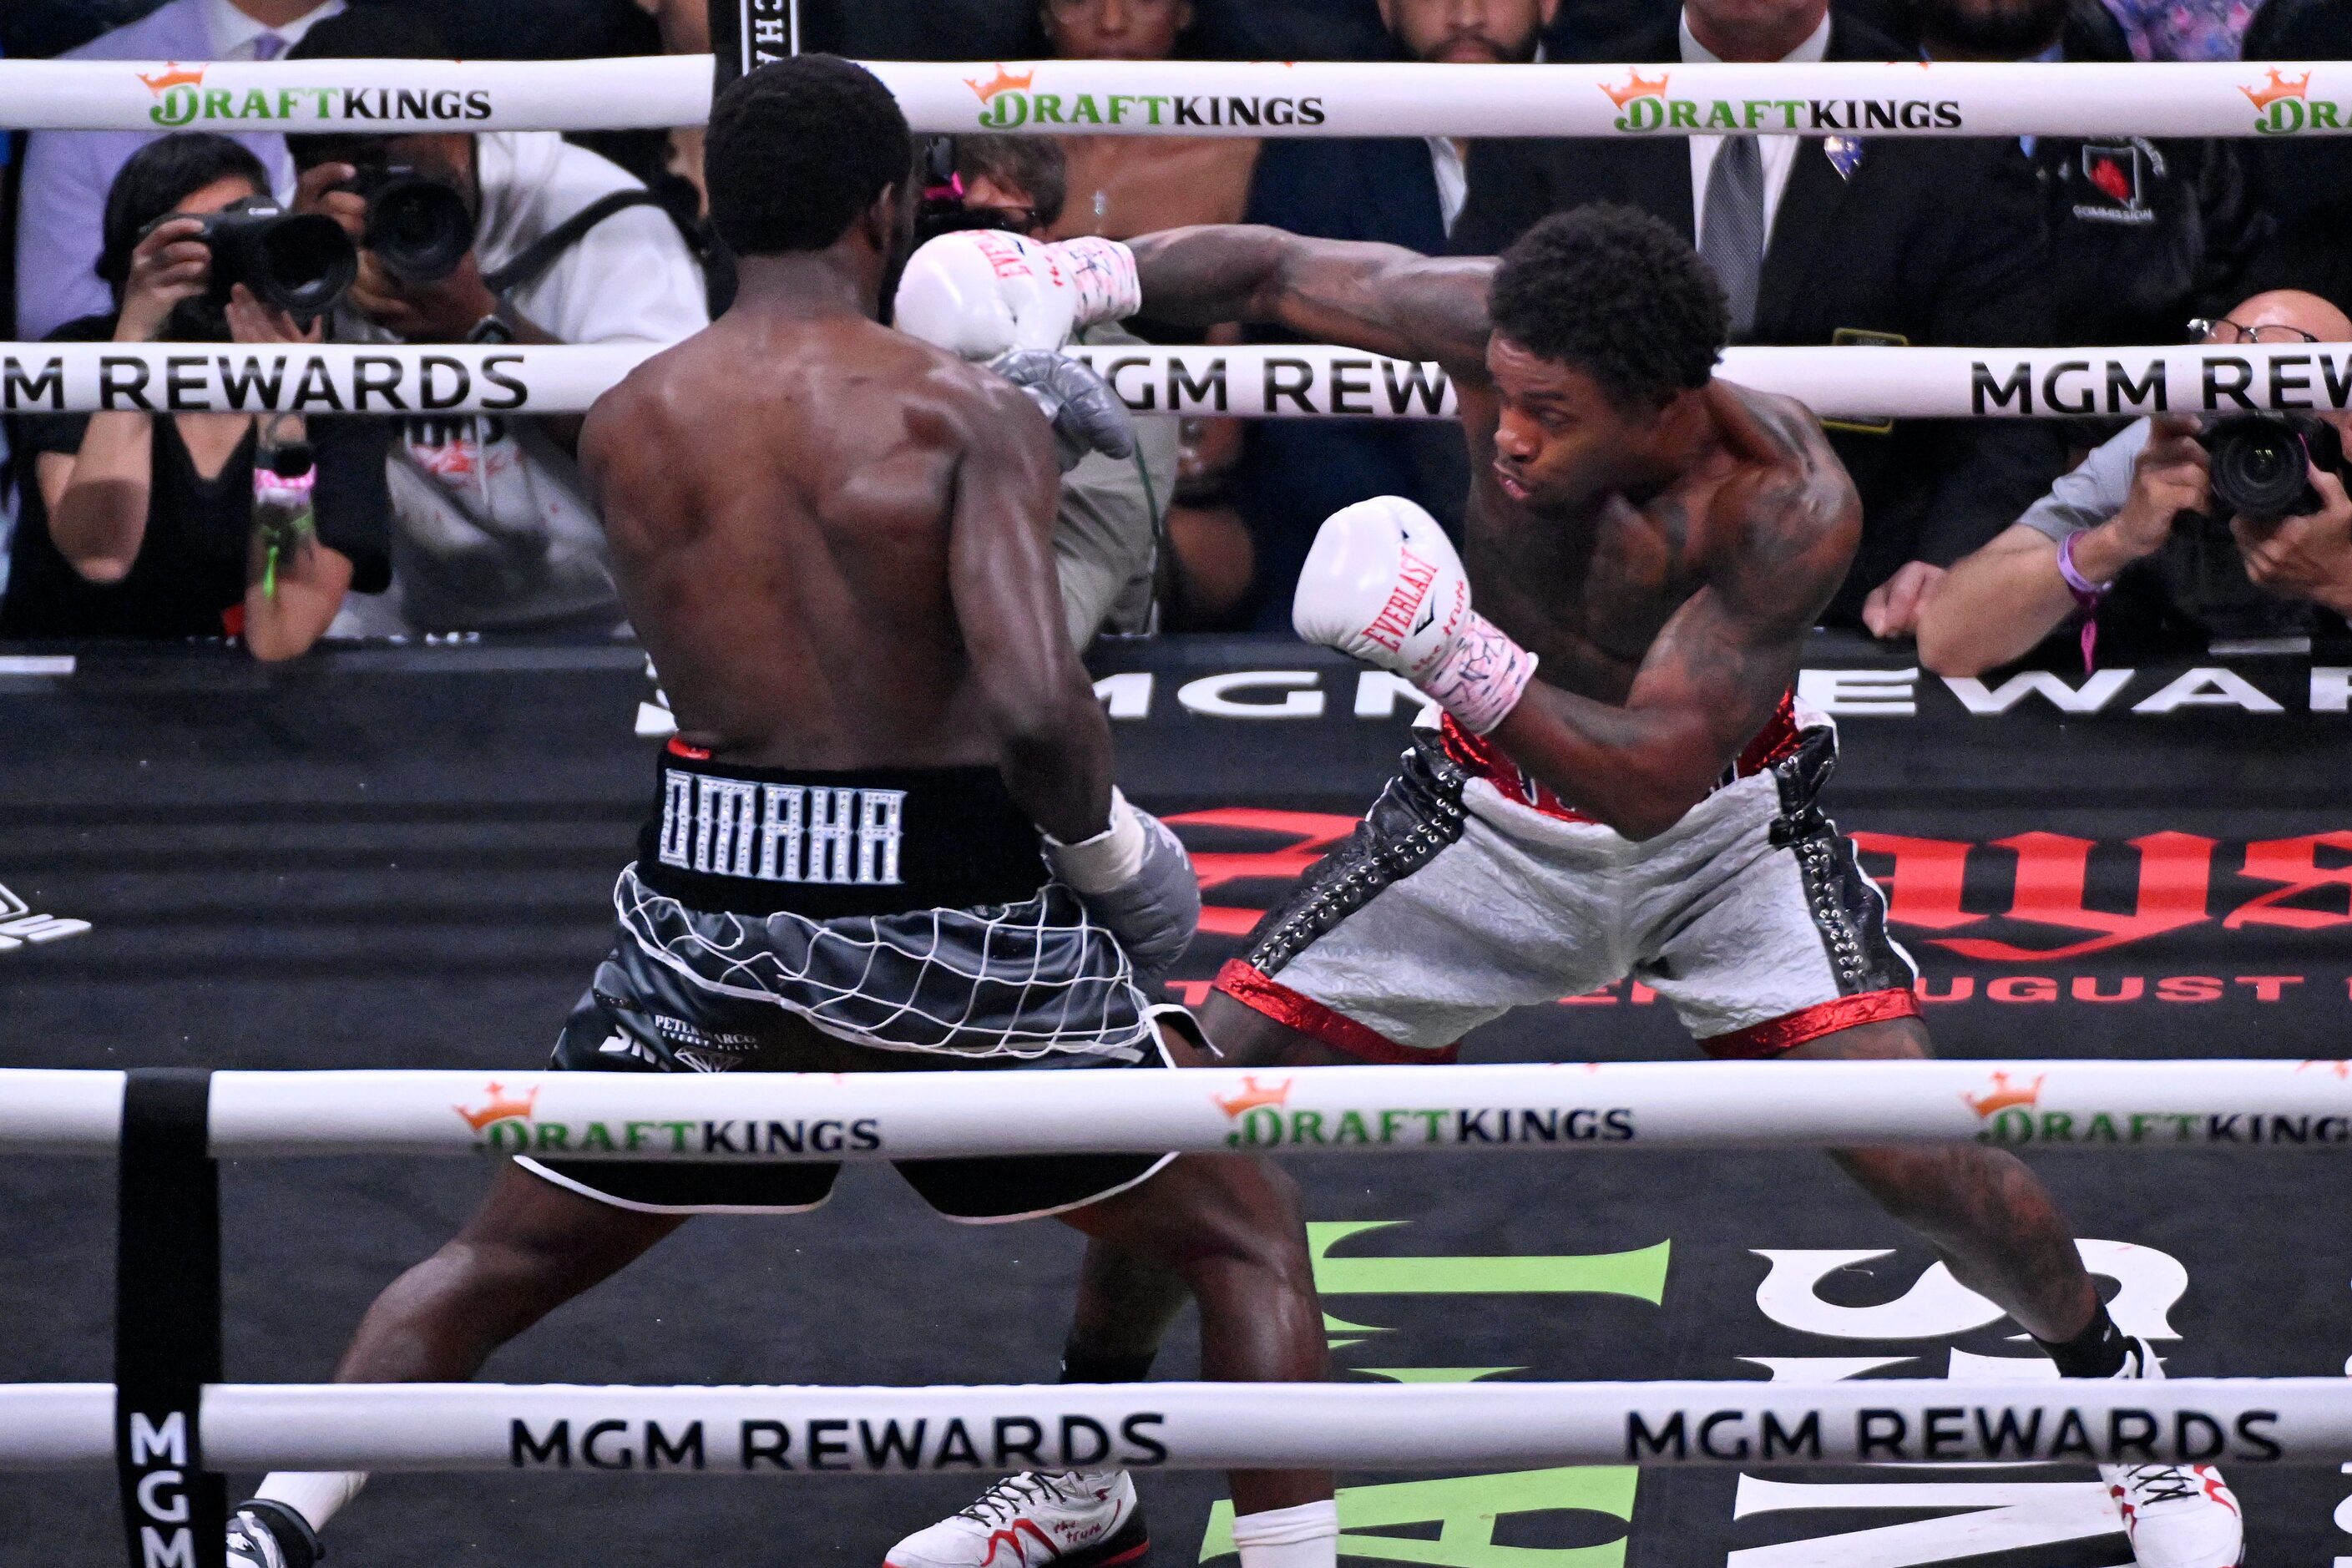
[(968, 406), (1790, 513)]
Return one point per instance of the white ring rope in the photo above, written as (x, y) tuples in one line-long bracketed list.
[(1204, 1425), (754, 1116), (1312, 380), (650, 91), (1206, 97)]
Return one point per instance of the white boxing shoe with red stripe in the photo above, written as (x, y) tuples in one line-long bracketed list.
[(2176, 1516), (1077, 1519)]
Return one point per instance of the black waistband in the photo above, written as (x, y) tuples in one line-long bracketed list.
[(875, 841)]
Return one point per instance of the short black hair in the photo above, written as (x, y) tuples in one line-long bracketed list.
[(797, 149), (1617, 294), (372, 33), (156, 179), (1034, 166)]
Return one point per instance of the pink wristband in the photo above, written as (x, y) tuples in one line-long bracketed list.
[(2087, 595), (1484, 680)]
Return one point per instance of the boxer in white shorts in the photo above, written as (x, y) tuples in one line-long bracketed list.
[(1623, 784)]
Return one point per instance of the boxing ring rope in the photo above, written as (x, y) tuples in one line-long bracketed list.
[(1207, 98), (896, 1116), (622, 93), (787, 1430), (1291, 380)]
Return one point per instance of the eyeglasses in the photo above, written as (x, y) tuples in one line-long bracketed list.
[(2223, 329)]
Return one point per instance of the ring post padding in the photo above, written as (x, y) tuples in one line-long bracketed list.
[(167, 1320)]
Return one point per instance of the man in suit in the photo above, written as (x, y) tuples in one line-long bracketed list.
[(1835, 239), (1396, 190), (69, 173)]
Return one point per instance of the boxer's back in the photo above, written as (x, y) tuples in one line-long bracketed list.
[(779, 496)]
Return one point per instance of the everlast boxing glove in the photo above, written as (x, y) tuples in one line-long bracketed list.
[(1136, 879), (981, 292), (1383, 584)]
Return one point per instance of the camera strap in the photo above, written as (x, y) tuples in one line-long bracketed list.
[(536, 258)]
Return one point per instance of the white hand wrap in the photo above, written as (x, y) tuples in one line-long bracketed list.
[(1135, 878)]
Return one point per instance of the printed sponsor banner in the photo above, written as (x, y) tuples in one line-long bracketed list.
[(1167, 97), (389, 97)]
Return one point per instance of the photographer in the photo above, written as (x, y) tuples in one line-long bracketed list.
[(178, 525), (489, 237), (2126, 541)]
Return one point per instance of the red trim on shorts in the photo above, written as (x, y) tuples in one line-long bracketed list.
[(1775, 743), (1777, 1037), (691, 753), (1279, 1002)]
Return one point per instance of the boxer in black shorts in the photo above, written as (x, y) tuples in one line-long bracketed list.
[(885, 837)]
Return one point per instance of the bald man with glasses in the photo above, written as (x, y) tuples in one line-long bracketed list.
[(2116, 522)]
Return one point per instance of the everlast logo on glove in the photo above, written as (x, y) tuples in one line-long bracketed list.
[(1401, 616)]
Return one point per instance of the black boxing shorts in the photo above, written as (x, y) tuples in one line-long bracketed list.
[(890, 920)]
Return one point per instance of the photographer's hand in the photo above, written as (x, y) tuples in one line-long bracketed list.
[(2307, 557), (325, 189), (169, 266), (2169, 477), (444, 311)]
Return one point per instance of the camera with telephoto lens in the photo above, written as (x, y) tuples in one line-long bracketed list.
[(418, 225), (300, 263), (2260, 464)]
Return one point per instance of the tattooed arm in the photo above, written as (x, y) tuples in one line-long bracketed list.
[(1715, 673), (1380, 298)]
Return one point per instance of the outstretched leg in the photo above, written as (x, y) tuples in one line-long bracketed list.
[(1989, 1216), (530, 1247)]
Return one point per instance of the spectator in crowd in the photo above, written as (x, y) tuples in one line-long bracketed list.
[(2144, 233), (1106, 527), (493, 527), (163, 525), (2126, 540), (2183, 29), (1837, 239), (2304, 183), (1404, 190), (1120, 186), (69, 173)]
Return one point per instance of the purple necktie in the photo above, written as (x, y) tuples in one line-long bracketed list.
[(269, 47)]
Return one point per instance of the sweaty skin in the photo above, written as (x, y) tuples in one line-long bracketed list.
[(835, 543), (1669, 601)]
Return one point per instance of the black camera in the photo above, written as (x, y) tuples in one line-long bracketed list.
[(300, 263), (2260, 464), (418, 224)]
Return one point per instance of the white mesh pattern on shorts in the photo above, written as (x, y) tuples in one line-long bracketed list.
[(1034, 979)]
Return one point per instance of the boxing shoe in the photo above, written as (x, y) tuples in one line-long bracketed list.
[(1383, 583), (1079, 1519), (271, 1535), (2176, 1516)]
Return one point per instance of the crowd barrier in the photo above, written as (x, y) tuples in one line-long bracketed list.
[(1297, 381), (2284, 1421), (897, 1116), (1200, 97)]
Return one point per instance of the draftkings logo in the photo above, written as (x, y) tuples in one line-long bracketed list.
[(2012, 1114), (1644, 103), (506, 1123), (20, 926), (1263, 1118), (1008, 99), (2283, 105), (183, 99)]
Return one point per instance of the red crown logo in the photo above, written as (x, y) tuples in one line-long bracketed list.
[(2340, 1068), (173, 75), (2262, 98), (1004, 81), (1253, 1095), (2002, 1095), (500, 1106), (1636, 85)]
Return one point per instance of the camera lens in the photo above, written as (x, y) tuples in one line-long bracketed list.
[(307, 262), (2258, 465), (419, 228)]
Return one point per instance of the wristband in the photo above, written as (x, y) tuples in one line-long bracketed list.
[(1482, 678), (1109, 859), (1102, 271), (2086, 592)]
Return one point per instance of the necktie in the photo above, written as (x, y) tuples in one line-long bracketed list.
[(1732, 241), (269, 47)]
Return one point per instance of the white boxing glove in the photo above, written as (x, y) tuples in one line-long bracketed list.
[(982, 292), (1384, 584)]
